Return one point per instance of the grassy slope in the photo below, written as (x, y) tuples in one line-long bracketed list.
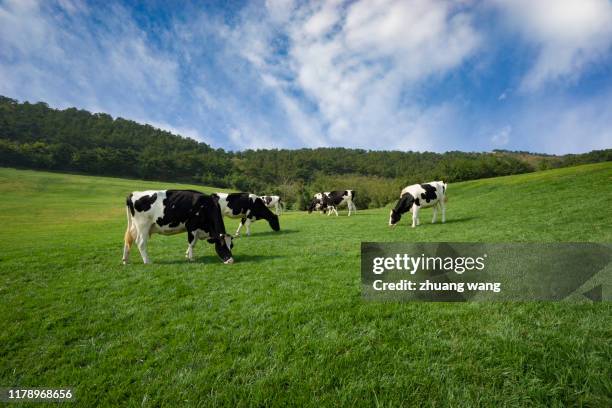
[(285, 324)]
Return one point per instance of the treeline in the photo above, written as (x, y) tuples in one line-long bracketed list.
[(39, 137)]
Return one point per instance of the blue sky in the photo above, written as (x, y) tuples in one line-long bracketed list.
[(374, 74)]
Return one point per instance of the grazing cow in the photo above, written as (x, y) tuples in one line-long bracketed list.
[(169, 212), (419, 196), (249, 208), (329, 201), (273, 201)]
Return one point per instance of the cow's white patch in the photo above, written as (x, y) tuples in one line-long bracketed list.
[(273, 201)]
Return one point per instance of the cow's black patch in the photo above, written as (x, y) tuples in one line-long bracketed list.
[(254, 209), (334, 198), (178, 207), (145, 202), (130, 204), (197, 211), (239, 203), (267, 199), (403, 206), (430, 192), (417, 202)]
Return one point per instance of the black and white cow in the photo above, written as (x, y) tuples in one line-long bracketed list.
[(329, 201), (170, 212), (419, 196), (249, 208), (273, 201)]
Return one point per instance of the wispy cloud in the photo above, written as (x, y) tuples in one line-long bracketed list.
[(378, 74), (52, 53), (564, 126), (502, 136), (568, 36), (342, 72)]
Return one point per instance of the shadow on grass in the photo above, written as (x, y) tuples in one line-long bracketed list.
[(213, 259), (342, 215), (270, 232), (457, 220), (248, 258), (427, 223)]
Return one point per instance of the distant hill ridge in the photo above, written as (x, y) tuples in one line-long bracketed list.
[(36, 136)]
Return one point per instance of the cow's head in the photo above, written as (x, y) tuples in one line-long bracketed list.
[(223, 246), (315, 204), (273, 221), (394, 218), (259, 210), (210, 214), (404, 204)]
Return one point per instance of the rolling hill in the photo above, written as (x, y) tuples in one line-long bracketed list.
[(286, 324)]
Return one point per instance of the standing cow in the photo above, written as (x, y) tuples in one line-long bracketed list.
[(170, 212), (328, 201), (419, 196), (273, 201), (249, 208)]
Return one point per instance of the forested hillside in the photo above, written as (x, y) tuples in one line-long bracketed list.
[(38, 137)]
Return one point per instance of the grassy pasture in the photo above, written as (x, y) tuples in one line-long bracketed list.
[(285, 325)]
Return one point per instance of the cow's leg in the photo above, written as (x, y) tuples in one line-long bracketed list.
[(247, 224), (142, 238), (128, 238), (435, 214), (192, 239), (335, 210), (415, 216), (443, 206), (128, 241), (348, 204), (242, 221)]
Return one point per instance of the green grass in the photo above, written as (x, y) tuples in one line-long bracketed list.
[(285, 325)]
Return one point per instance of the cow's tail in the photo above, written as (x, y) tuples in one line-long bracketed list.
[(129, 237)]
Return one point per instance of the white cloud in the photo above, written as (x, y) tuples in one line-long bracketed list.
[(248, 138), (565, 126), (345, 71), (568, 34), (502, 136), (322, 21), (53, 54), (280, 10)]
